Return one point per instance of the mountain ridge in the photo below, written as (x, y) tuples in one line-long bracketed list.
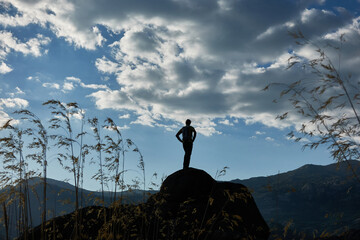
[(310, 197), (332, 166)]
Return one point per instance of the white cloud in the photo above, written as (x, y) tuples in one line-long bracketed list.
[(73, 79), (51, 85), (61, 16), (260, 133), (268, 119), (18, 91), (280, 62), (193, 87), (114, 99), (68, 86), (9, 43), (168, 62), (312, 14), (144, 120), (105, 65), (171, 80), (350, 30), (126, 116), (4, 117), (99, 38), (79, 115), (206, 130), (10, 103), (269, 139), (71, 82), (308, 14), (33, 46), (308, 52), (226, 122), (125, 127), (13, 103), (94, 86), (5, 68), (35, 79)]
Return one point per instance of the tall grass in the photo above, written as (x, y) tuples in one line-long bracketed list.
[(65, 141), (327, 100), (115, 150), (98, 147), (40, 140), (15, 173), (27, 141)]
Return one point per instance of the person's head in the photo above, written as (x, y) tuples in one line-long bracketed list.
[(188, 122)]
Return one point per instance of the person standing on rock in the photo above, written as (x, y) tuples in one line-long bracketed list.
[(188, 137)]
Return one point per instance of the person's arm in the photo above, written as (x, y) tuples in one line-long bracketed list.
[(194, 135), (178, 135)]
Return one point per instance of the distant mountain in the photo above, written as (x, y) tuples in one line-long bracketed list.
[(311, 197)]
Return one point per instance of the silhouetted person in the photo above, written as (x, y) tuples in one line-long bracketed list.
[(188, 137)]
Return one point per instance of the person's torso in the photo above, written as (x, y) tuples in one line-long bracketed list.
[(187, 133)]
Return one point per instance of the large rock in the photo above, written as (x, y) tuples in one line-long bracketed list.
[(191, 205), (189, 183), (200, 207)]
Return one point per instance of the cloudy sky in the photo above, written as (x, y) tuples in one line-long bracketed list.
[(150, 65)]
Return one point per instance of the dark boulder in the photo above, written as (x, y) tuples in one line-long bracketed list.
[(204, 208), (184, 184), (192, 205)]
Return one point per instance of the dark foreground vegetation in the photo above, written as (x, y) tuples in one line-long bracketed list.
[(190, 205), (75, 142)]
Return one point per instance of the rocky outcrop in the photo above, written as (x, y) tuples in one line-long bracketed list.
[(192, 205), (189, 205), (214, 210)]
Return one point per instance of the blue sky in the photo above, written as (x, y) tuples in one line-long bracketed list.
[(150, 65)]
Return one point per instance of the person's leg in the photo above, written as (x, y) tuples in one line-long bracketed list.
[(186, 159), (188, 150), (190, 147), (186, 162)]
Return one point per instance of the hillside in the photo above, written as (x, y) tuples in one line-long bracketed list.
[(311, 197)]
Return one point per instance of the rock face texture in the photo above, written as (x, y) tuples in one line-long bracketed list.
[(203, 208), (192, 205), (189, 205)]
